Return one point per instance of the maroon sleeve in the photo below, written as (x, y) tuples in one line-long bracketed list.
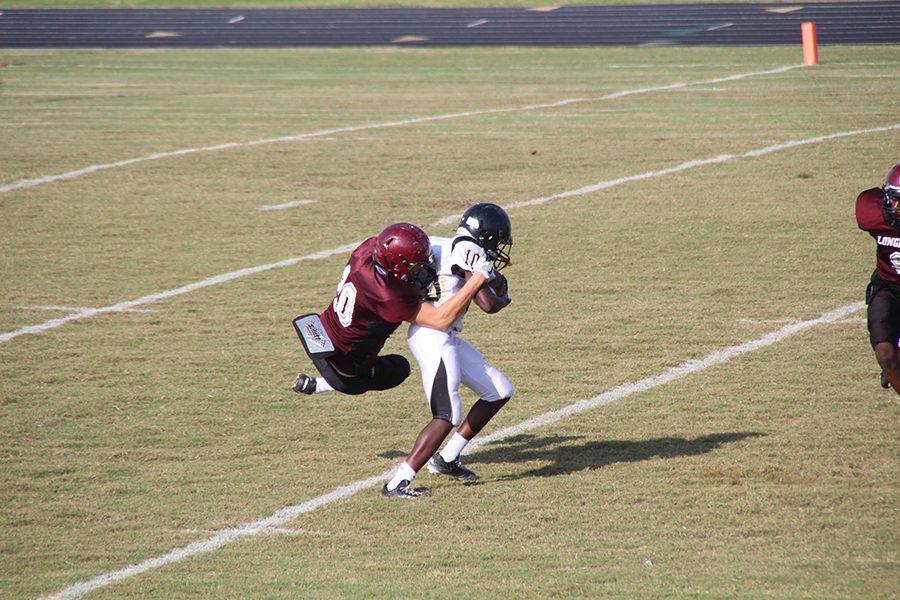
[(868, 210), (400, 305)]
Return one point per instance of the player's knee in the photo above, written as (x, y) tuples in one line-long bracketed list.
[(504, 393), (445, 412), (886, 354), (390, 371), (504, 388), (401, 367)]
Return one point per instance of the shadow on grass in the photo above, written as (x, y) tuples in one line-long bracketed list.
[(566, 455), (392, 454)]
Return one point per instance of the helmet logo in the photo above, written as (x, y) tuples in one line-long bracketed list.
[(401, 249), (472, 222)]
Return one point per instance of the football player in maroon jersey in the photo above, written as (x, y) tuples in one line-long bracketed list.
[(382, 286), (878, 213)]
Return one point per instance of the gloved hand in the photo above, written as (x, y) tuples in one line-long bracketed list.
[(485, 267)]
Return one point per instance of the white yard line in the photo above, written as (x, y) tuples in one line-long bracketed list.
[(286, 205), (122, 306), (675, 373), (27, 183), (292, 531), (285, 515), (691, 164), (73, 309), (91, 312)]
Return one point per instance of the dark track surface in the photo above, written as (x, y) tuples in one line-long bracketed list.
[(682, 24)]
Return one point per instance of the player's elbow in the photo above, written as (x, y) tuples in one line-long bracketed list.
[(442, 323), (433, 319), (491, 309), (495, 305)]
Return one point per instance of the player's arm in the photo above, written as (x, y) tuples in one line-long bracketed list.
[(466, 256), (443, 316), (493, 295), (869, 215)]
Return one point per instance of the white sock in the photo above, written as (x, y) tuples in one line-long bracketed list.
[(404, 471), (454, 447), (322, 385)]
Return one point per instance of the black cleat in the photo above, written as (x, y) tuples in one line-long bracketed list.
[(402, 491), (304, 384), (884, 381), (454, 468)]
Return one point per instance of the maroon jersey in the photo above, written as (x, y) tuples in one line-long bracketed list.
[(870, 218), (368, 307)]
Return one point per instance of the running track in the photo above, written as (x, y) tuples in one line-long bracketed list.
[(620, 25)]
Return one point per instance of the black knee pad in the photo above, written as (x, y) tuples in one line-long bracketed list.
[(390, 371), (402, 366), (883, 316)]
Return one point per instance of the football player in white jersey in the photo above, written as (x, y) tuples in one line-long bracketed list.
[(446, 360)]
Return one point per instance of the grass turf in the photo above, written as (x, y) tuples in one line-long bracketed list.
[(123, 436)]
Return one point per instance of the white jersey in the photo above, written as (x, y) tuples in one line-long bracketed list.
[(463, 255), (447, 361)]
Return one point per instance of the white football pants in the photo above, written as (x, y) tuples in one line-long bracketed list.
[(445, 361)]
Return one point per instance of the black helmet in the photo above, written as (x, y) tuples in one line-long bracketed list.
[(489, 225)]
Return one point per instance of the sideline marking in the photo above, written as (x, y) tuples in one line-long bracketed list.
[(90, 312), (286, 205), (26, 183), (80, 308), (283, 516)]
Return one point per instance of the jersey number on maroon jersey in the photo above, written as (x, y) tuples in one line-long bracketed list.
[(345, 299)]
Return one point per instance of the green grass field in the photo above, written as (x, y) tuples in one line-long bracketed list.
[(125, 435)]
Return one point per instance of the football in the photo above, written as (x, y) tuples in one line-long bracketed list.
[(498, 284)]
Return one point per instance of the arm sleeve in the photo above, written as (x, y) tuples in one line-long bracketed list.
[(868, 211), (466, 255), (399, 307)]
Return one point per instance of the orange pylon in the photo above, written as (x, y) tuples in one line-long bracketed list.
[(810, 44)]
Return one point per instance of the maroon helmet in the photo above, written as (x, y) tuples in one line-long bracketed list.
[(403, 250), (891, 204)]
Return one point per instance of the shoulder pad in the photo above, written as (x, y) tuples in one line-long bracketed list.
[(868, 210), (465, 252), (462, 238)]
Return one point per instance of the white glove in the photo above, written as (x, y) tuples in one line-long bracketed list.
[(485, 267)]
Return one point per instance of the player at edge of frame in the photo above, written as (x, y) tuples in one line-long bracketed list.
[(878, 213)]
